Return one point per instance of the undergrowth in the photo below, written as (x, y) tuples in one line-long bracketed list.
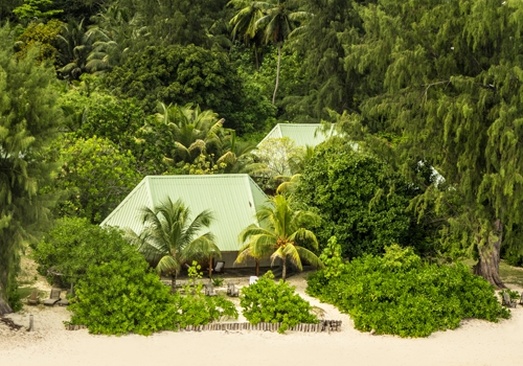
[(400, 294)]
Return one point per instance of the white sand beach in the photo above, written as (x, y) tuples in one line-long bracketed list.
[(473, 343)]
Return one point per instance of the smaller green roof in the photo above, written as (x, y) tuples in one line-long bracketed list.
[(232, 198), (303, 134)]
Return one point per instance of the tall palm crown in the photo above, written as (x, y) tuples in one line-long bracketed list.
[(194, 131), (170, 239), (283, 235), (275, 20)]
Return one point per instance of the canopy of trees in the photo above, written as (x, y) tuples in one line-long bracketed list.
[(425, 86)]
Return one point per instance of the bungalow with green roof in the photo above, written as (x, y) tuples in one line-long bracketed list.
[(232, 198), (302, 134)]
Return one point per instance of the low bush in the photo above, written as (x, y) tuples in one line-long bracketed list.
[(275, 302), (400, 294), (120, 297), (72, 245), (195, 308)]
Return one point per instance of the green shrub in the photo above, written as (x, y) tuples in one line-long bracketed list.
[(123, 296), (74, 244), (199, 309), (360, 198), (195, 308), (275, 302), (399, 294)]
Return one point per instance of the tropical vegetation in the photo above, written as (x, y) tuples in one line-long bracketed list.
[(171, 237), (275, 302), (72, 246), (398, 293), (282, 235), (425, 97)]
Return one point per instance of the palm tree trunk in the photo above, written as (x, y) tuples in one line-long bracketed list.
[(283, 268), (173, 281), (257, 269), (257, 58), (210, 267), (276, 84)]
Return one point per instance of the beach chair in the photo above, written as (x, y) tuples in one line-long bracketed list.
[(65, 300), (209, 290), (232, 291), (507, 301), (54, 297), (218, 268), (33, 298)]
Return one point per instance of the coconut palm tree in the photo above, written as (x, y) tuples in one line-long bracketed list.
[(75, 44), (283, 235), (194, 131), (118, 28), (170, 239), (274, 19), (244, 25)]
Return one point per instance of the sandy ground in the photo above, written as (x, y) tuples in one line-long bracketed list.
[(474, 343)]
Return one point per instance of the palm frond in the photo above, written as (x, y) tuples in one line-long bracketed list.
[(310, 257), (201, 248), (168, 264)]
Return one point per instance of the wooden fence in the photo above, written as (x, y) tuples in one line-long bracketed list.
[(322, 326)]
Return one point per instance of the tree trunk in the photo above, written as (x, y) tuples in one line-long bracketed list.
[(283, 268), (210, 267), (257, 58), (173, 282), (257, 268), (489, 256), (4, 306), (276, 84)]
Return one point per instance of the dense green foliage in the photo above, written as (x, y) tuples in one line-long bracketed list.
[(73, 245), (96, 176), (122, 296), (29, 121), (194, 307), (441, 72), (400, 294), (415, 80), (274, 302), (179, 75), (361, 200)]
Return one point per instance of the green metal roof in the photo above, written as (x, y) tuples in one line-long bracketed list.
[(303, 134), (232, 198)]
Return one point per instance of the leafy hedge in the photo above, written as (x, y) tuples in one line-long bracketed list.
[(195, 308), (400, 294), (275, 302), (73, 245), (120, 297)]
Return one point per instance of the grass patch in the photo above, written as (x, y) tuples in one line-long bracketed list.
[(510, 274), (24, 292)]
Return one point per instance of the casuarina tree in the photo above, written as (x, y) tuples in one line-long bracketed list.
[(29, 118)]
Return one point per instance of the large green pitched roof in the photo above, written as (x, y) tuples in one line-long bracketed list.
[(232, 198), (303, 134)]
